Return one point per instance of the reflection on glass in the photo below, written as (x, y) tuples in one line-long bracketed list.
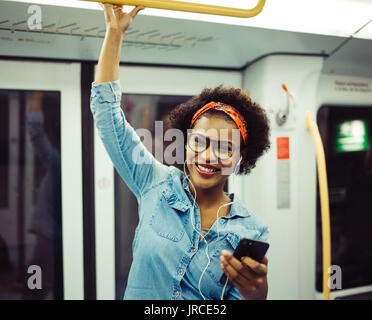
[(141, 111), (30, 196)]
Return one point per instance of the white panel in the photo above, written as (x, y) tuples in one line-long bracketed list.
[(104, 221), (63, 77), (292, 231), (138, 80), (174, 81)]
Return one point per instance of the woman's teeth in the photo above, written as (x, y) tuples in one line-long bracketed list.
[(206, 169)]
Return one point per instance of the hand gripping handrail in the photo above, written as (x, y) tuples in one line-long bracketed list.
[(191, 7), (324, 201)]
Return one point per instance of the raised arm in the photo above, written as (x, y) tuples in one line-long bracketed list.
[(118, 136), (117, 22)]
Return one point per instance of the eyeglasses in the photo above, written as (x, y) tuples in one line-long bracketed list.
[(223, 150)]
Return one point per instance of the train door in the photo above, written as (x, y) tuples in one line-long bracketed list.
[(41, 234), (149, 94), (346, 135)]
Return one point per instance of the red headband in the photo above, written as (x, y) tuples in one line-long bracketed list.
[(229, 110)]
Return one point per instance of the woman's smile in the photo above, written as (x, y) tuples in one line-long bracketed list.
[(206, 170)]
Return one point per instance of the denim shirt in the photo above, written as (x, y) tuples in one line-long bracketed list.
[(168, 258)]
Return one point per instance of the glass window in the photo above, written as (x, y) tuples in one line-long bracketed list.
[(30, 195)]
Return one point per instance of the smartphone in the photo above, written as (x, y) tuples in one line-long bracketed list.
[(254, 249)]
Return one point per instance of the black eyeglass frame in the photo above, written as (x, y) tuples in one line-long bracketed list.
[(214, 145)]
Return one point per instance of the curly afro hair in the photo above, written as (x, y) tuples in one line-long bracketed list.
[(257, 121)]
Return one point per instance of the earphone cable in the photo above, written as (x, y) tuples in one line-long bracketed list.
[(203, 237)]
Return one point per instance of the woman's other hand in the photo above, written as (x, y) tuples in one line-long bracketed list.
[(247, 275)]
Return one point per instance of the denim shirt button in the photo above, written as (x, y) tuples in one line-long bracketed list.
[(194, 249), (176, 294), (180, 271)]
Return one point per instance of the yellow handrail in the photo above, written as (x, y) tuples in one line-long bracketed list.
[(191, 7), (324, 201)]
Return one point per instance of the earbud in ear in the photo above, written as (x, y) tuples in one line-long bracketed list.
[(237, 164)]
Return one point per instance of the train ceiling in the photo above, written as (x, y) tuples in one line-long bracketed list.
[(77, 34)]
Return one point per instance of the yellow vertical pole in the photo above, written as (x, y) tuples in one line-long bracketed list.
[(324, 201)]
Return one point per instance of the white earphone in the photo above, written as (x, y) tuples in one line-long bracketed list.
[(203, 237), (237, 165)]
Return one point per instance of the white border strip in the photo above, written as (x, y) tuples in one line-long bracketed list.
[(63, 77), (104, 221), (345, 292)]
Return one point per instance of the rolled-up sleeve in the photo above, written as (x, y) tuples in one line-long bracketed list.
[(135, 164)]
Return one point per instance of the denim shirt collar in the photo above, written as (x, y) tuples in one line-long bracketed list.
[(182, 202)]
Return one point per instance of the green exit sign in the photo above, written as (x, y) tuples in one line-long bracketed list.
[(352, 135)]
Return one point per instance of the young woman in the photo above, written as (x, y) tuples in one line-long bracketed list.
[(188, 226)]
